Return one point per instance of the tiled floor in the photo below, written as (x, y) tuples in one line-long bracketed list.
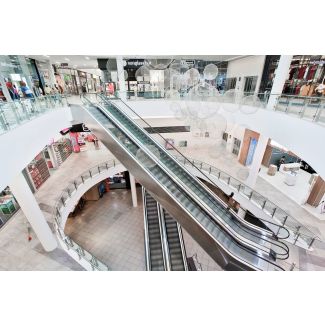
[(112, 230)]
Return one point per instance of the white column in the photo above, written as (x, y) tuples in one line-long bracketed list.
[(33, 213), (281, 75), (257, 161), (51, 74), (133, 191), (120, 77)]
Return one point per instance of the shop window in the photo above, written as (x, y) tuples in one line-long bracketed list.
[(236, 147), (250, 85), (230, 83)]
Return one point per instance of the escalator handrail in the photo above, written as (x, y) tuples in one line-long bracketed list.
[(272, 223), (220, 244), (244, 242), (164, 239), (183, 249), (248, 225), (146, 231), (280, 245)]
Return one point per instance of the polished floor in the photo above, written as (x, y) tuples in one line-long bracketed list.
[(16, 253), (113, 231)]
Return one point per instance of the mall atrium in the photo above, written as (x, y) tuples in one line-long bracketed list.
[(162, 163)]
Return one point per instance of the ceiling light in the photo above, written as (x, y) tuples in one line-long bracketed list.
[(87, 58), (47, 56), (66, 59)]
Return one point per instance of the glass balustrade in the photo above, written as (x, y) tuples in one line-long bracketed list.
[(17, 112), (63, 199)]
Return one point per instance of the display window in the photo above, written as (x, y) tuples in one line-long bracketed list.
[(305, 74)]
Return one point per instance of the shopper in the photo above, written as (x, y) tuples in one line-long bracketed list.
[(230, 201), (320, 89), (25, 90), (17, 96), (281, 161), (10, 89)]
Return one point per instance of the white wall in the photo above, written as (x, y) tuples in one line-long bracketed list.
[(248, 66), (301, 136), (19, 146)]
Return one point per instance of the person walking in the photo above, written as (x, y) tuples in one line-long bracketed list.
[(25, 90)]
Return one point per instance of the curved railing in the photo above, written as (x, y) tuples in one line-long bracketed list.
[(60, 215), (20, 111), (275, 212)]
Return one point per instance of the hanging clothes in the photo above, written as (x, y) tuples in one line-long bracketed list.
[(301, 72), (311, 72)]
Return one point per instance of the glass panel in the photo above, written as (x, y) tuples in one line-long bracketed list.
[(258, 199)]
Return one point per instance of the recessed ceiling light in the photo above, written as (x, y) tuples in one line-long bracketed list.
[(66, 59), (47, 56), (87, 58)]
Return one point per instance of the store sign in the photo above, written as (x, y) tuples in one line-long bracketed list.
[(64, 64), (321, 62), (134, 63), (190, 62)]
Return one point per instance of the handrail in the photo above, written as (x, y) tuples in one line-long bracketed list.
[(183, 249), (212, 168), (224, 229), (146, 230), (164, 241), (245, 240), (65, 195)]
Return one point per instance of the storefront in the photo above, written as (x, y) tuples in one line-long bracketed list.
[(305, 74)]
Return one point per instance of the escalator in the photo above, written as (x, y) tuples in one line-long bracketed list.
[(204, 196), (231, 242), (153, 242), (163, 238)]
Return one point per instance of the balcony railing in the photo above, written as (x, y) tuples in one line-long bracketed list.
[(60, 205), (17, 112), (297, 230)]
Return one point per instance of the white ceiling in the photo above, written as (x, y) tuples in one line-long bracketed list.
[(90, 61)]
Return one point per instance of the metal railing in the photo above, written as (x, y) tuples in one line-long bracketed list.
[(62, 201), (311, 108), (275, 212), (17, 112)]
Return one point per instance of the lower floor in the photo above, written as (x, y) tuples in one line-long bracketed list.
[(113, 230)]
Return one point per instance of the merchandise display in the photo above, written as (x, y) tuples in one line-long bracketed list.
[(62, 149), (38, 170)]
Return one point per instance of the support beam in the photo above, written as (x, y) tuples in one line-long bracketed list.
[(257, 160), (133, 191), (281, 75), (33, 213)]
